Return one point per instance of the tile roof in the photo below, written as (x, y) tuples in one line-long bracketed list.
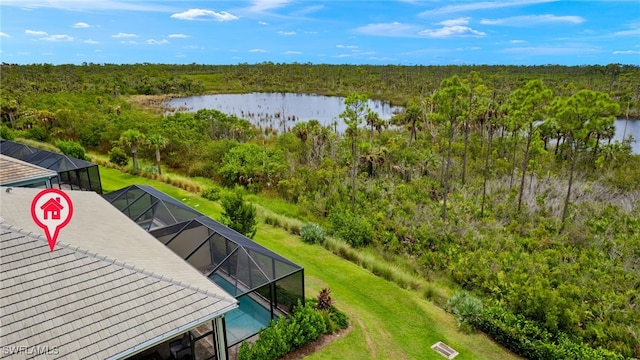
[(13, 171), (107, 289)]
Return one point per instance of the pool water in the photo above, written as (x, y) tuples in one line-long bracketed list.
[(248, 319)]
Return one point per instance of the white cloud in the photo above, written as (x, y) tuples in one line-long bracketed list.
[(81, 25), (178, 36), (626, 52), (157, 42), (88, 5), (92, 42), (124, 35), (455, 22), (286, 33), (632, 32), (517, 41), (262, 23), (35, 32), (258, 51), (61, 37), (128, 42), (202, 14), (4, 34), (482, 5), (340, 46), (451, 31), (290, 52), (259, 6), (394, 29), (533, 20)]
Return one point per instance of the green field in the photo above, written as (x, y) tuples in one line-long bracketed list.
[(388, 322)]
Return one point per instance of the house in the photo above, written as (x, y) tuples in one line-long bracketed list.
[(14, 172), (108, 290), (73, 174), (52, 208)]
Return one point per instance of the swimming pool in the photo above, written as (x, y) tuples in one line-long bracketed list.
[(247, 319)]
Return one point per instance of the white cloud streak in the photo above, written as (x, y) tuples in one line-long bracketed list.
[(203, 14), (92, 42), (528, 20), (124, 35), (455, 22), (157, 42), (257, 51), (178, 36), (291, 52), (35, 32), (57, 38), (286, 33), (81, 25), (451, 32), (483, 5), (2, 34), (394, 29), (626, 52)]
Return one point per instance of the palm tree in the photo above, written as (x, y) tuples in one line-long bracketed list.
[(132, 139), (158, 142)]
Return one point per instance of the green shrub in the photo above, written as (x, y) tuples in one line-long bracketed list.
[(118, 157), (7, 133), (355, 230), (212, 193), (38, 133), (528, 339), (466, 307), (239, 215), (312, 233), (303, 326), (72, 148)]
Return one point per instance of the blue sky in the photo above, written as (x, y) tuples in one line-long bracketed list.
[(526, 32)]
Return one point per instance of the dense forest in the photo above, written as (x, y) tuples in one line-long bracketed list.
[(501, 180)]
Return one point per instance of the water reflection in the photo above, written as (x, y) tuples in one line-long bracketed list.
[(279, 110)]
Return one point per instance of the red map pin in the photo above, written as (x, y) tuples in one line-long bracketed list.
[(51, 210)]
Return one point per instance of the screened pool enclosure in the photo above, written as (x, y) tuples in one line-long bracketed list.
[(74, 174), (266, 284)]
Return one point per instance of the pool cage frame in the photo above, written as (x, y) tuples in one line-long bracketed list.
[(245, 269), (76, 174)]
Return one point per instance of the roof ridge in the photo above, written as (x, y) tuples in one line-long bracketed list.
[(130, 266)]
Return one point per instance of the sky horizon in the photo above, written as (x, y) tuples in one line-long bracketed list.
[(401, 32)]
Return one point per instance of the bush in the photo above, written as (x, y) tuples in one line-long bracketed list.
[(528, 339), (312, 233), (239, 215), (212, 193), (466, 307), (303, 326), (72, 148), (324, 300), (7, 133), (118, 157), (38, 133), (355, 230)]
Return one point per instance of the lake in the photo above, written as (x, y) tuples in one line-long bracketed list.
[(279, 109), (282, 110)]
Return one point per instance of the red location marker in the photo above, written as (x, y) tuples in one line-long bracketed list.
[(51, 210)]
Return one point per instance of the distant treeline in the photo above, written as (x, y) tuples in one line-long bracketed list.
[(393, 83)]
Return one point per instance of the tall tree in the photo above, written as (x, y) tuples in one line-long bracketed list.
[(527, 106), (132, 139), (452, 103), (158, 142), (356, 108), (575, 114)]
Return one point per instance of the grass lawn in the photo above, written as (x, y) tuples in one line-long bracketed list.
[(388, 321)]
